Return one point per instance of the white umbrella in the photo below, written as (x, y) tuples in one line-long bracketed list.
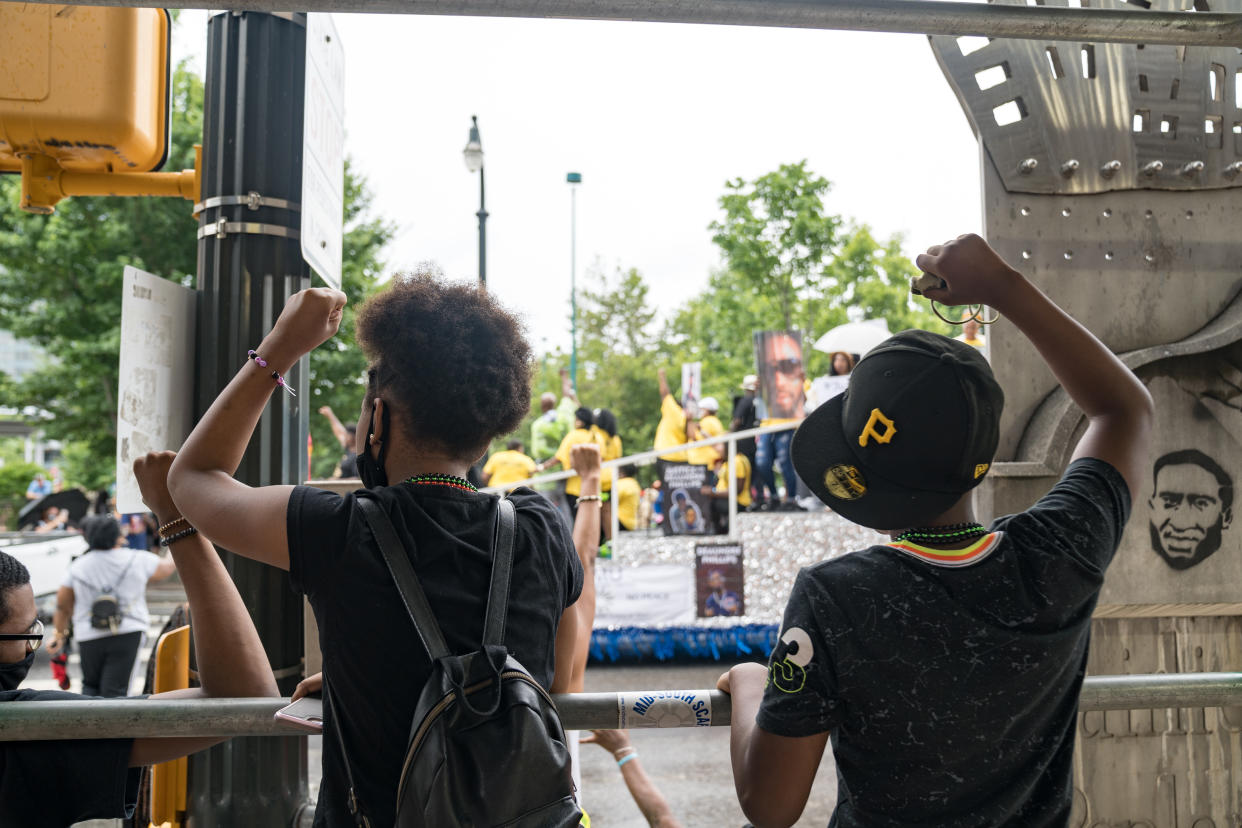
[(854, 337)]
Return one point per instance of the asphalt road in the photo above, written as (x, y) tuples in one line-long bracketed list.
[(689, 765)]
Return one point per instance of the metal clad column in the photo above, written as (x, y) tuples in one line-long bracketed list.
[(1112, 178), (249, 262)]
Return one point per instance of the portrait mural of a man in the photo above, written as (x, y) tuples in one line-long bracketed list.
[(1191, 507)]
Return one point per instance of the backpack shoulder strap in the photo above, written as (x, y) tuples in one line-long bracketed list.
[(502, 568), (351, 800), (403, 575)]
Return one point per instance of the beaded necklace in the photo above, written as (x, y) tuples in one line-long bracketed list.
[(943, 534), (449, 480)]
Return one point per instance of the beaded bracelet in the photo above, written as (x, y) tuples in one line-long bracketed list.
[(251, 354), (171, 524), (590, 499), (171, 539), (621, 762)]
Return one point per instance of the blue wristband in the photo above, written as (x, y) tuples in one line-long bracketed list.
[(621, 762)]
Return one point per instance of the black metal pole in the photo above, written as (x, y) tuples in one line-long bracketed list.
[(252, 150), (482, 214)]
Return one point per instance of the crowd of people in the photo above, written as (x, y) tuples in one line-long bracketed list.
[(914, 701)]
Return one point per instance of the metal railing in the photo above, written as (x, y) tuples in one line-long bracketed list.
[(912, 16), (646, 458), (133, 718)]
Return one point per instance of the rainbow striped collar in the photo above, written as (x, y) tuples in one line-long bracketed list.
[(953, 558)]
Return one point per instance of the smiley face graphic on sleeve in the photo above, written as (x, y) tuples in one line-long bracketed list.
[(787, 667)]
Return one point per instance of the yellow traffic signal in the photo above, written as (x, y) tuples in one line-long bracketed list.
[(84, 101)]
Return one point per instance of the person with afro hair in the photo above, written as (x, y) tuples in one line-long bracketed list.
[(450, 370)]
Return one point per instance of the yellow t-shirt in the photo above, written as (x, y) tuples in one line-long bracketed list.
[(508, 467), (741, 471), (709, 426), (672, 429), (579, 435), (609, 449), (628, 495)]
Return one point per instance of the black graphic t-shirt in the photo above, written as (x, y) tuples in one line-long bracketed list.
[(372, 657), (950, 681), (54, 783)]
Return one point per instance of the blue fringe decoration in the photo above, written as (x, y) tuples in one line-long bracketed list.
[(636, 644)]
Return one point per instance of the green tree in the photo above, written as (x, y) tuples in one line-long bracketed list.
[(789, 264), (776, 235), (60, 288)]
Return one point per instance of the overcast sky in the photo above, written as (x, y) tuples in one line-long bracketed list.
[(656, 117)]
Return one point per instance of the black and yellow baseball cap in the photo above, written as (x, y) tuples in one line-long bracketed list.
[(916, 429)]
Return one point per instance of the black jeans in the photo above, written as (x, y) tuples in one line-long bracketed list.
[(107, 664)]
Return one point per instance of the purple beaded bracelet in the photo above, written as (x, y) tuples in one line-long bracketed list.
[(275, 375)]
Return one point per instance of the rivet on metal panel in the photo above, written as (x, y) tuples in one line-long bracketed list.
[(1028, 166), (1149, 258), (1065, 212), (1108, 212), (1153, 167), (1233, 169), (1026, 211), (1190, 214), (1192, 168), (1108, 256), (1110, 169), (1069, 254), (1026, 254), (1069, 167), (1147, 214)]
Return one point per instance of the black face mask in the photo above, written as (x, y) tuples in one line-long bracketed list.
[(371, 471), (11, 675)]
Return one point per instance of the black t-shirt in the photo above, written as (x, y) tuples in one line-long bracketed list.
[(349, 464), (56, 783), (373, 659), (951, 686), (744, 412)]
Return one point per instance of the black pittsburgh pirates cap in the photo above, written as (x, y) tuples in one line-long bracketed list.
[(915, 430)]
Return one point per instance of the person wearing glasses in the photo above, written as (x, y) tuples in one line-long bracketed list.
[(780, 365), (51, 784)]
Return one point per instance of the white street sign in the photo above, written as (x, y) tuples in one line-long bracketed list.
[(155, 399), (323, 149)]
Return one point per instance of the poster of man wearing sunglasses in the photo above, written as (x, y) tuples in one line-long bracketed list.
[(778, 355)]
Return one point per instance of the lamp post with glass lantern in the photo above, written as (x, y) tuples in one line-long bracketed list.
[(473, 154)]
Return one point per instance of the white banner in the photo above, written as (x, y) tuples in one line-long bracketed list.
[(643, 596), (691, 385), (155, 397)]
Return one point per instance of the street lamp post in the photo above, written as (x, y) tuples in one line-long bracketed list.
[(473, 154), (574, 179)]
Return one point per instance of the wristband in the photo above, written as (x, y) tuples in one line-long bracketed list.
[(251, 354), (171, 524), (171, 539), (590, 499), (621, 762)]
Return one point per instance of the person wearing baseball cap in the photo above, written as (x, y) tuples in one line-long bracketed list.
[(946, 664), (709, 426)]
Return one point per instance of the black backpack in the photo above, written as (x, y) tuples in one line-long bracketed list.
[(106, 610), (486, 747)]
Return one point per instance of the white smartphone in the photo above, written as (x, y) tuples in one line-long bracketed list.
[(306, 712)]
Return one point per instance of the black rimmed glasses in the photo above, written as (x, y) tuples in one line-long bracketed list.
[(33, 636)]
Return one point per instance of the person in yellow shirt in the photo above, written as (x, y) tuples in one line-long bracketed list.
[(605, 431), (720, 495), (709, 426), (581, 433), (508, 466), (677, 425), (627, 495)]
